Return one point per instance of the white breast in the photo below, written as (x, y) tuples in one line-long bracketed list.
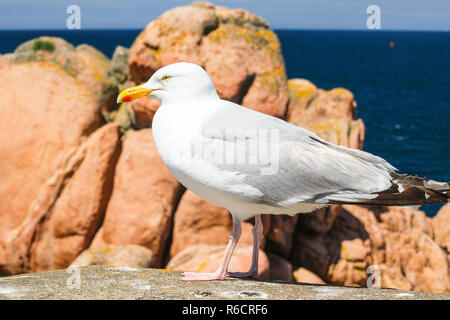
[(176, 131)]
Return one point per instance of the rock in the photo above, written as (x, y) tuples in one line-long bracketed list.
[(395, 242), (143, 199), (124, 116), (46, 116), (308, 102), (3, 61), (79, 209), (115, 255), (137, 114), (207, 258), (279, 238), (441, 227), (134, 115), (422, 261), (199, 222), (247, 235), (119, 65), (356, 134), (114, 283), (305, 276), (144, 110), (319, 221), (84, 62), (280, 269), (330, 114), (238, 50), (341, 131), (96, 76), (301, 93)]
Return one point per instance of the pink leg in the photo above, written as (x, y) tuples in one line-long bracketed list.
[(223, 269), (257, 237)]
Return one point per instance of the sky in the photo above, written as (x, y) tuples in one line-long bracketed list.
[(423, 15)]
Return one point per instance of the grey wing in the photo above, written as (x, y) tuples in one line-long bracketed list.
[(288, 164)]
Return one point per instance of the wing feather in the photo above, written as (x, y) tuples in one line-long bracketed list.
[(308, 169)]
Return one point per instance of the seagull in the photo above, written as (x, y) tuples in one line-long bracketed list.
[(252, 163)]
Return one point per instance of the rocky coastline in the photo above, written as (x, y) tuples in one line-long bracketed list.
[(82, 183)]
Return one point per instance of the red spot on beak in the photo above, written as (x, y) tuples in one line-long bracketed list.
[(126, 99)]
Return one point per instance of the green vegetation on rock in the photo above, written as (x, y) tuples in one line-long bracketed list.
[(43, 45)]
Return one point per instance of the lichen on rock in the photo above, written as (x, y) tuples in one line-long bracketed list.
[(238, 50), (84, 62), (330, 114)]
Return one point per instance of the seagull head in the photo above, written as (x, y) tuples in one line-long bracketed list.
[(176, 82)]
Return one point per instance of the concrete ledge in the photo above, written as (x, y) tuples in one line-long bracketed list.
[(98, 282)]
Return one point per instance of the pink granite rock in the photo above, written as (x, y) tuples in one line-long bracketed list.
[(49, 120), (303, 275), (237, 48), (78, 211), (129, 255), (280, 268), (441, 227), (395, 242), (143, 198), (83, 62), (330, 114)]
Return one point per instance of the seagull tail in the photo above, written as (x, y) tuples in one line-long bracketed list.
[(408, 191)]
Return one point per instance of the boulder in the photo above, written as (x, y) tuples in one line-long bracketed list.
[(441, 227), (303, 275), (308, 102), (119, 65), (77, 213), (84, 63), (330, 114), (47, 115), (143, 199), (3, 61), (115, 255), (207, 258), (392, 243), (237, 48), (280, 268), (144, 110), (138, 114), (280, 234), (319, 221)]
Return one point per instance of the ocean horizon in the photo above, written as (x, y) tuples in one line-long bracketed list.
[(400, 79)]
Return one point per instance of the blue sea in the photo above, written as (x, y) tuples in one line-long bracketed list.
[(403, 92)]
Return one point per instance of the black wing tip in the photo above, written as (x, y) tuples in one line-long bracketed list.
[(417, 190), (407, 191)]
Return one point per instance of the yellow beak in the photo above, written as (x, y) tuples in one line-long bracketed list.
[(133, 93)]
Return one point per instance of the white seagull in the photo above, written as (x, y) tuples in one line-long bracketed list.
[(251, 163)]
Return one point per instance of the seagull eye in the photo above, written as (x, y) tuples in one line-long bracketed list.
[(165, 78)]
